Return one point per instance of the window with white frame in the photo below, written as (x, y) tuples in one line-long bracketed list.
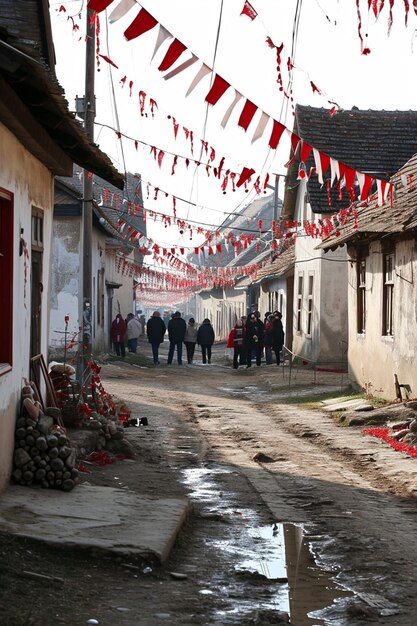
[(310, 303), (361, 295), (388, 260), (300, 288)]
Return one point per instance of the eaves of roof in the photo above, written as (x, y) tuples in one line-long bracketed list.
[(31, 92), (374, 220)]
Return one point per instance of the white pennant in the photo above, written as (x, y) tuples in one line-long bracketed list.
[(317, 161), (261, 127), (203, 71), (230, 109), (163, 34), (334, 169), (181, 67), (122, 8), (382, 192)]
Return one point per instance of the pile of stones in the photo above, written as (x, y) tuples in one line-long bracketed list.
[(43, 453)]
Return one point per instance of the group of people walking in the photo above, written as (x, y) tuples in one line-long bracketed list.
[(179, 333), (251, 336)]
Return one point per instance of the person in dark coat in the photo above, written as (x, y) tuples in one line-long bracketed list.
[(117, 335), (268, 337), (176, 333), (205, 339), (278, 335), (236, 340), (155, 329), (254, 338)]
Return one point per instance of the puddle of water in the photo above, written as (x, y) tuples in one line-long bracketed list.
[(281, 553), (277, 556)]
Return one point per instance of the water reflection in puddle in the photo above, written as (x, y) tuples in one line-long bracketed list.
[(275, 558)]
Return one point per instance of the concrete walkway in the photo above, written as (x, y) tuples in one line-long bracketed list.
[(102, 518)]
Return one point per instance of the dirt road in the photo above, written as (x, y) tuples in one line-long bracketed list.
[(271, 485)]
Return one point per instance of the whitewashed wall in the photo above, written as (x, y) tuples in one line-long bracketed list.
[(373, 357), (32, 186)]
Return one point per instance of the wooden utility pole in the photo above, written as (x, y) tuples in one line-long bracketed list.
[(87, 217)]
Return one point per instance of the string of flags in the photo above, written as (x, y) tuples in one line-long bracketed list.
[(345, 175)]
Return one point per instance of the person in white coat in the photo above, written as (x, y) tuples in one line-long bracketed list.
[(133, 331), (190, 339)]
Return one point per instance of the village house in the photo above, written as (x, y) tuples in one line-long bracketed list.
[(39, 139), (382, 289), (375, 143), (223, 306), (112, 290)]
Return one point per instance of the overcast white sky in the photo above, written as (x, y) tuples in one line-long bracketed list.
[(327, 51)]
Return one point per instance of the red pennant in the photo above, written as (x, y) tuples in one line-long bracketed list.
[(305, 152), (98, 5), (247, 114), (325, 162), (108, 60), (249, 10), (140, 25), (277, 131), (244, 176), (217, 90), (175, 50), (366, 186)]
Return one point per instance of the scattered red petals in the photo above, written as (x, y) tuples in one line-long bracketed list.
[(383, 433)]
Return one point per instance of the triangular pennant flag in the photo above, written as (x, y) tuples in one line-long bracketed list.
[(140, 25), (181, 68), (202, 72), (230, 109), (247, 114), (218, 88), (174, 51), (120, 11), (322, 161), (349, 177), (305, 151), (263, 121), (334, 169), (249, 10), (382, 187), (276, 134), (244, 176), (163, 34), (365, 184), (98, 5)]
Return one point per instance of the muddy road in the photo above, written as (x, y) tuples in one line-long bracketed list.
[(291, 513)]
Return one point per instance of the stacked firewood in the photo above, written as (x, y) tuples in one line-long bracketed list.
[(43, 453)]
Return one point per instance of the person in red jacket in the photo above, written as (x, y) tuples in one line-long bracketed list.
[(236, 341), (117, 335)]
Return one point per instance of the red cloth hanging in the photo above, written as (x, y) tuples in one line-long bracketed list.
[(244, 176), (247, 114), (366, 188), (277, 131), (141, 24), (174, 51), (249, 10), (219, 87), (305, 152), (98, 5)]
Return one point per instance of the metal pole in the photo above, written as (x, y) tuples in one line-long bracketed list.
[(87, 218)]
